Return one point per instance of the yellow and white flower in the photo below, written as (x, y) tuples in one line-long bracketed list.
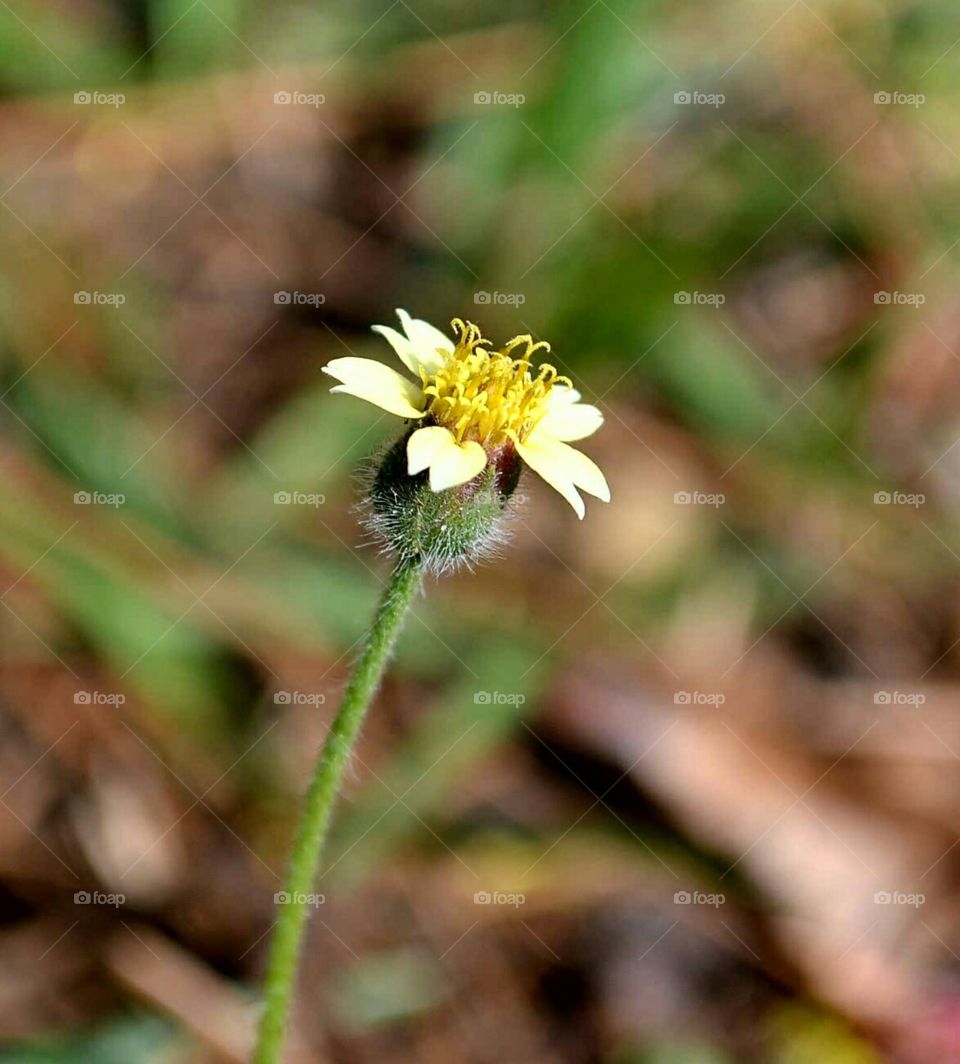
[(476, 405)]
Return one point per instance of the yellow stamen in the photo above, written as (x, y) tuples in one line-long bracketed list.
[(489, 396)]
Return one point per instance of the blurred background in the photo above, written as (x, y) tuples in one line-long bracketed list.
[(676, 785)]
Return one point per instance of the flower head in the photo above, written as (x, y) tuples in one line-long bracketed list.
[(479, 407)]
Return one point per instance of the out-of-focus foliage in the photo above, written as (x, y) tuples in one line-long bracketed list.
[(736, 224)]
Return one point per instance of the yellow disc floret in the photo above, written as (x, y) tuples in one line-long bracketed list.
[(489, 396)]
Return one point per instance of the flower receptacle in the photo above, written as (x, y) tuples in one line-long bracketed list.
[(443, 529)]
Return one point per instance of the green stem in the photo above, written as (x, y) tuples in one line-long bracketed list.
[(305, 857)]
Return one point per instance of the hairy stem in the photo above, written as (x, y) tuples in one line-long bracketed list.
[(314, 822)]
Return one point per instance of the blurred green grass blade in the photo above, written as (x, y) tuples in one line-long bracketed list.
[(138, 1038), (42, 49), (315, 444), (718, 385), (97, 435), (387, 987), (191, 37)]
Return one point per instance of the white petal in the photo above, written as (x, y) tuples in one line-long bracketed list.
[(424, 345), (450, 463), (561, 394), (423, 445), (584, 472), (378, 384), (564, 468), (423, 335), (542, 460), (457, 466), (571, 421), (402, 346)]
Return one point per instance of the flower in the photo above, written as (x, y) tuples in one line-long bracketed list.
[(478, 407)]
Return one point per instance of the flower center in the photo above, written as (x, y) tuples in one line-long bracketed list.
[(489, 396)]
